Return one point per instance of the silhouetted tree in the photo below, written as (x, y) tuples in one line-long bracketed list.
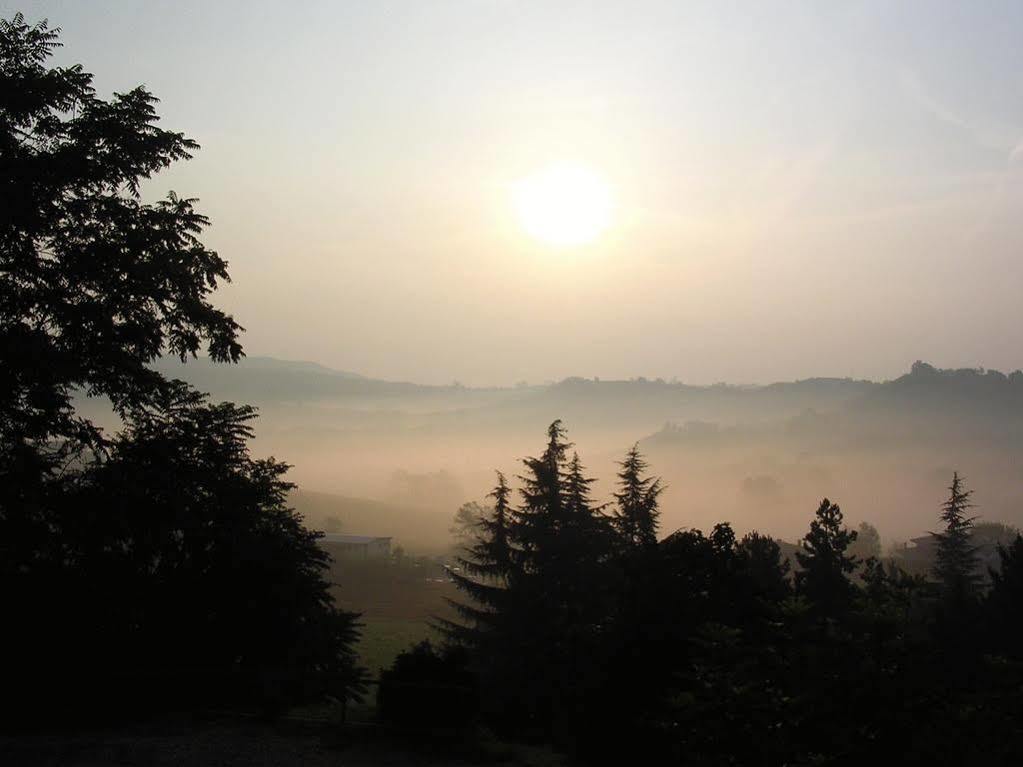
[(429, 693), (764, 567), (1005, 601), (486, 568), (824, 565), (186, 575), (493, 555), (586, 530), (94, 284), (538, 585), (559, 584), (466, 522), (541, 514), (720, 658), (1001, 686), (635, 517), (167, 553), (956, 566), (867, 543)]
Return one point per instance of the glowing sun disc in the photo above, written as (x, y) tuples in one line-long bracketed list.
[(563, 205)]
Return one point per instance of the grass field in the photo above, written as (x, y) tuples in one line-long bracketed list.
[(397, 601), (384, 638)]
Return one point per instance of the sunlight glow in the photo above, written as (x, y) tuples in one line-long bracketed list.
[(563, 205)]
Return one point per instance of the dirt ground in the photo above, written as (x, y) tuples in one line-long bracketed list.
[(192, 743)]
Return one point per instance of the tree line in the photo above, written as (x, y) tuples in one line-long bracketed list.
[(585, 630)]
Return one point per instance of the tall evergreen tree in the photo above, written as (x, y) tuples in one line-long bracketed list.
[(585, 541), (636, 513), (577, 492), (587, 529), (956, 566), (493, 553), (557, 528), (562, 589), (541, 515), (536, 593), (824, 564), (485, 570)]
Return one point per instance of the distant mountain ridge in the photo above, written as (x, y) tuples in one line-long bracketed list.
[(265, 379), (924, 387), (883, 448), (928, 384), (174, 366)]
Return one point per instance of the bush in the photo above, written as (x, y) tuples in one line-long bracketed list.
[(429, 692)]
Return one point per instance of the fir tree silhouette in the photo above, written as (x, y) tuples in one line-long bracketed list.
[(635, 517), (956, 568)]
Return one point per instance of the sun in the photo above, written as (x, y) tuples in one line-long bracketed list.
[(563, 205)]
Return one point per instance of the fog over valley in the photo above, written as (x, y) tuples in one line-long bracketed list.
[(493, 383), (758, 456)]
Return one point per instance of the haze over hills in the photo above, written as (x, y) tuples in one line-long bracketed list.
[(267, 379), (386, 551), (761, 456)]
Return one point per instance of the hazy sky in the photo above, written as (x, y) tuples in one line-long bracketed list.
[(798, 188)]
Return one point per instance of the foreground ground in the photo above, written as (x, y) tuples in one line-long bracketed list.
[(398, 600), (188, 742)]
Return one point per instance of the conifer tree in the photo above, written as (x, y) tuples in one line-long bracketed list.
[(493, 552), (535, 583), (558, 529), (584, 542), (585, 523), (486, 569), (517, 565), (956, 567), (540, 517), (823, 577), (562, 590), (635, 517), (577, 493)]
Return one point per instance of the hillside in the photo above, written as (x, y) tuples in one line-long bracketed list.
[(398, 458)]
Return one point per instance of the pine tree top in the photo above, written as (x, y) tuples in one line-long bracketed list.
[(636, 498), (956, 567)]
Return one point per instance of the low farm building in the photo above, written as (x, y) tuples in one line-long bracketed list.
[(921, 554), (356, 546)]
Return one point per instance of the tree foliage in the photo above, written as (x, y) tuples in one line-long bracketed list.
[(94, 282), (637, 496), (161, 566), (825, 566), (484, 571), (706, 650), (956, 567), (466, 521), (867, 543)]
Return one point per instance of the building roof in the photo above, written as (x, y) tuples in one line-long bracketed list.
[(339, 538)]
